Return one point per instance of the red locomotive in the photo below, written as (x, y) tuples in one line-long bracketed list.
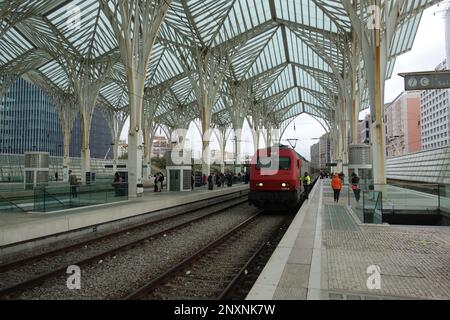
[(277, 186)]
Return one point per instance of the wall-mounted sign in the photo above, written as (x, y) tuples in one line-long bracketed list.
[(426, 80)]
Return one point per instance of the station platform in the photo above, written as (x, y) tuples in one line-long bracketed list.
[(328, 254), (21, 227)]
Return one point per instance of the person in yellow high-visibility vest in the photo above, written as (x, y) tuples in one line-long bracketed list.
[(306, 184)]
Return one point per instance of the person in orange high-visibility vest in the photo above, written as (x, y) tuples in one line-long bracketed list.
[(336, 184)]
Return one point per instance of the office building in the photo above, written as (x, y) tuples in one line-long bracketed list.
[(29, 122), (402, 119), (435, 116)]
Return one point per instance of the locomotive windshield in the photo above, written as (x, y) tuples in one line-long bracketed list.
[(265, 163)]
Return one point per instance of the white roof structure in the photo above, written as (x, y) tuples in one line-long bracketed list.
[(286, 52)]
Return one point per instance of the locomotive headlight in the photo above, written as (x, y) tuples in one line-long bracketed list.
[(260, 184), (285, 185)]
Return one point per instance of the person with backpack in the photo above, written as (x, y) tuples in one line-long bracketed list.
[(73, 182), (155, 182), (355, 186), (210, 182), (116, 184), (161, 181)]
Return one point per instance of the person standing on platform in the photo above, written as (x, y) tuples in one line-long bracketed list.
[(192, 181), (218, 182), (306, 184), (336, 184), (210, 182), (116, 184), (161, 181), (355, 186), (73, 182), (156, 176), (56, 176)]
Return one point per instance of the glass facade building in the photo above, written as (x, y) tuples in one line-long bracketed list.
[(29, 122)]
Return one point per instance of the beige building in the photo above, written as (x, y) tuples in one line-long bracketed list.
[(402, 118), (321, 152), (160, 146), (364, 134)]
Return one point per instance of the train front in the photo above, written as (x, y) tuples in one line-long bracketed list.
[(275, 184)]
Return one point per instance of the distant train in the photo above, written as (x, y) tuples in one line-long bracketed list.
[(278, 189)]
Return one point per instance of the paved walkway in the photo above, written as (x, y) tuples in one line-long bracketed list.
[(329, 254)]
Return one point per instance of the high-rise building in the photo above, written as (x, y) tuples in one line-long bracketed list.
[(402, 118), (321, 152), (447, 35), (435, 116), (29, 122), (100, 137), (160, 146), (315, 156), (364, 126), (435, 108)]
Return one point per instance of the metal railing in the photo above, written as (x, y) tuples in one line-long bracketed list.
[(9, 205), (372, 207), (399, 197), (47, 199)]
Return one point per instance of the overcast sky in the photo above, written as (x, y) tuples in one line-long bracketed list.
[(428, 51)]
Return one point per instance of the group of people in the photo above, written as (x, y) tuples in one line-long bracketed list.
[(220, 179), (158, 182), (337, 182)]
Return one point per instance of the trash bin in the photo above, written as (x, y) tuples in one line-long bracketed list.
[(140, 189)]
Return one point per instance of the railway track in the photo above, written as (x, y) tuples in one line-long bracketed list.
[(19, 275), (216, 270)]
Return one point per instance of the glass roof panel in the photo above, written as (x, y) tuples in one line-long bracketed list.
[(285, 48), (270, 57)]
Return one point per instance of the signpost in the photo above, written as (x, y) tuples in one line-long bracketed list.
[(426, 80)]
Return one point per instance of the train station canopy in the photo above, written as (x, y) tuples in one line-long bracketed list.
[(284, 56)]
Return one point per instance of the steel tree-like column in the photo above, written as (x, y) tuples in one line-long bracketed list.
[(135, 24), (356, 92), (154, 98), (87, 79), (66, 107), (375, 49), (211, 68), (236, 104), (116, 122), (222, 135), (256, 123), (149, 135)]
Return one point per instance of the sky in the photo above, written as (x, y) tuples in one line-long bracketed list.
[(428, 51)]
